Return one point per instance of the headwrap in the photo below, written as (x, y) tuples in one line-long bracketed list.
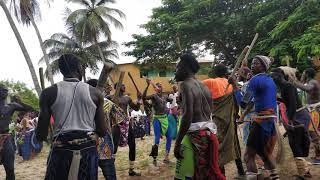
[(244, 71), (266, 61)]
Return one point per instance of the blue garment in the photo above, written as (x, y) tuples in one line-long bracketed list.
[(108, 168), (60, 159), (157, 134), (263, 92)]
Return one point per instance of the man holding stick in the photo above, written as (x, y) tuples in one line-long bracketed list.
[(161, 124), (125, 101)]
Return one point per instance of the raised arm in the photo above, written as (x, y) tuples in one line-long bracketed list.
[(303, 87), (144, 95)]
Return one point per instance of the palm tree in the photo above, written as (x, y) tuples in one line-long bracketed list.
[(88, 55), (26, 11), (89, 24), (22, 46)]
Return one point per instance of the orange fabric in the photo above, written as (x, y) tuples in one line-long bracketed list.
[(218, 87)]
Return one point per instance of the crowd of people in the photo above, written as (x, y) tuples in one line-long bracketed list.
[(88, 125)]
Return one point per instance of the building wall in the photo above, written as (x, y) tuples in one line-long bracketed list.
[(141, 82)]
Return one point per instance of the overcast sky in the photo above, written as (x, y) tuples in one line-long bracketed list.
[(13, 65)]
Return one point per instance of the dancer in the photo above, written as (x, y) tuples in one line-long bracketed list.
[(77, 109), (125, 101), (312, 89), (196, 147), (7, 147), (299, 120), (225, 111), (105, 146), (160, 123), (262, 90)]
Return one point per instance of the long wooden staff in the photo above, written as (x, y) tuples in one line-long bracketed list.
[(134, 83), (245, 60), (105, 73), (238, 63), (115, 98)]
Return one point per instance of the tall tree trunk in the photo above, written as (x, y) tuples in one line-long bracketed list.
[(45, 55), (23, 48)]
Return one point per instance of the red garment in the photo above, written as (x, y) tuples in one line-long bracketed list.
[(282, 108), (205, 147)]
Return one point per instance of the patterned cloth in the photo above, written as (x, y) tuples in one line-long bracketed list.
[(117, 117), (105, 147), (205, 147), (315, 119)]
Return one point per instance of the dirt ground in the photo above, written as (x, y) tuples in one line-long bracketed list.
[(35, 169)]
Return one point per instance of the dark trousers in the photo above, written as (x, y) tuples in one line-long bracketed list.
[(108, 169), (131, 141), (60, 158), (7, 156)]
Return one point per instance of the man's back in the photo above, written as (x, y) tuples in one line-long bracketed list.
[(202, 100), (313, 96), (73, 108), (218, 86)]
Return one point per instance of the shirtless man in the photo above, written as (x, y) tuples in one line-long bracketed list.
[(312, 88), (196, 147), (299, 120), (160, 123), (77, 109), (125, 101), (7, 147)]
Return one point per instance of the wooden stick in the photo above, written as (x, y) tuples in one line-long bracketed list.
[(134, 83), (238, 63), (105, 73), (41, 78), (119, 84), (245, 60)]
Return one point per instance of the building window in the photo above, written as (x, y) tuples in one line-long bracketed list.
[(163, 74)]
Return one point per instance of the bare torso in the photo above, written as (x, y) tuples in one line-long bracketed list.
[(313, 96), (201, 100), (159, 102)]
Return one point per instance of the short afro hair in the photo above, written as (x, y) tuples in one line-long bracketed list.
[(68, 63), (220, 70), (93, 82), (190, 62), (310, 72)]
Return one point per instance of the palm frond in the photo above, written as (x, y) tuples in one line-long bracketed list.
[(85, 3), (103, 2)]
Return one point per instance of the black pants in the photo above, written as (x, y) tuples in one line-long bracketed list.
[(7, 154), (131, 141), (299, 141)]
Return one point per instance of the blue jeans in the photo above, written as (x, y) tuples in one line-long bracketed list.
[(7, 154), (108, 169), (157, 134)]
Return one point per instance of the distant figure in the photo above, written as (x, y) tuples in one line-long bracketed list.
[(77, 109), (7, 147)]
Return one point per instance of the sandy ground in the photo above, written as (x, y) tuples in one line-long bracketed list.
[(35, 169)]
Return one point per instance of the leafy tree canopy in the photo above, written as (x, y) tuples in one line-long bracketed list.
[(20, 89), (288, 29)]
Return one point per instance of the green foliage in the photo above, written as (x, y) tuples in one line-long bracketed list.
[(88, 54), (20, 89), (288, 30), (88, 24)]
